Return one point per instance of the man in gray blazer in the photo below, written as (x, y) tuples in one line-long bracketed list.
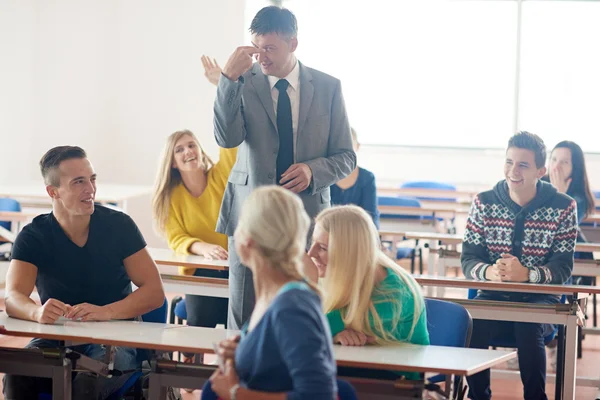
[(291, 127)]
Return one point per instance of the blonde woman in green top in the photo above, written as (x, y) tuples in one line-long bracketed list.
[(368, 298)]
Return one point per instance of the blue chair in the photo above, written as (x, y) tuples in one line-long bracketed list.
[(135, 380), (430, 185), (400, 202), (181, 311), (8, 204), (449, 324)]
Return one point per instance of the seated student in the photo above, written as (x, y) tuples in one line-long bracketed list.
[(368, 298), (568, 174), (521, 231), (82, 259), (285, 351), (187, 198), (358, 188)]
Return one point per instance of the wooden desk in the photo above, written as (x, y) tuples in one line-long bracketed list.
[(442, 238), (431, 211), (465, 195), (170, 258), (558, 290), (564, 315), (401, 357)]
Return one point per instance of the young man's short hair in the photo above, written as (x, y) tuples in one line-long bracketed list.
[(51, 160), (273, 19), (530, 141)]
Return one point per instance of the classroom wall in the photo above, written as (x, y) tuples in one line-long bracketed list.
[(115, 77)]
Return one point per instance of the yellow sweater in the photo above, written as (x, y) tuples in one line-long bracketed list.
[(194, 219)]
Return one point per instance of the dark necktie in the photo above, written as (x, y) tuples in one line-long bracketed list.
[(285, 156)]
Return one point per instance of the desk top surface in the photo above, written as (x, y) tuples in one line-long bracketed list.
[(559, 290), (402, 357), (169, 257)]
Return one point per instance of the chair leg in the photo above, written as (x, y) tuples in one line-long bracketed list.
[(412, 262), (579, 341), (594, 305), (420, 261)]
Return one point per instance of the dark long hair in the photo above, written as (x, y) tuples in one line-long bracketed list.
[(580, 186)]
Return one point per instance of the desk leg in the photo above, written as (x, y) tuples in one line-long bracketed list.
[(156, 390), (570, 358), (61, 380), (431, 263)]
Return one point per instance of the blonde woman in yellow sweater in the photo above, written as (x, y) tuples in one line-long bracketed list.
[(187, 198)]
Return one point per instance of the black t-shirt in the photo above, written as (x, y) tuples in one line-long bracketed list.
[(93, 273)]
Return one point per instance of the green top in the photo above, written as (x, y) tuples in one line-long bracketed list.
[(385, 306)]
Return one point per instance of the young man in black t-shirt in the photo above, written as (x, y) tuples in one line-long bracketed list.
[(82, 258)]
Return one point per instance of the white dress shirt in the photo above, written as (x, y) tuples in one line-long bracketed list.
[(293, 92)]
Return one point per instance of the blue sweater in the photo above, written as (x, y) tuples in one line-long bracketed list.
[(363, 194), (290, 348)]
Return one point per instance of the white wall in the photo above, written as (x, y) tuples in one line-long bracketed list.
[(115, 77), (17, 22)]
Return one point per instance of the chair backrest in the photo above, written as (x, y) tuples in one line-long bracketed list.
[(181, 310), (159, 315), (449, 324), (400, 202), (8, 204), (430, 185)]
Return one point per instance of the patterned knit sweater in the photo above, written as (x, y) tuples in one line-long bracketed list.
[(541, 235)]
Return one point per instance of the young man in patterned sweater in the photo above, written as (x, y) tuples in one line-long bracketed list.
[(521, 231)]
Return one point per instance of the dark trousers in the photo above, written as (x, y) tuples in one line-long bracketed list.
[(205, 311), (529, 339), (241, 290)]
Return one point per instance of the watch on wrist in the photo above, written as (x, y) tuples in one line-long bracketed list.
[(533, 275), (233, 391)]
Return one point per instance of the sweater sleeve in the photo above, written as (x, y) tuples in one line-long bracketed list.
[(559, 267), (336, 323), (222, 169), (178, 239), (305, 349), (475, 258), (369, 197)]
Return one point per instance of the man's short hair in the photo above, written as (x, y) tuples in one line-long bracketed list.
[(51, 160), (273, 19), (530, 141)]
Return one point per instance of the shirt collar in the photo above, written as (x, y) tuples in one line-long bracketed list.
[(293, 78)]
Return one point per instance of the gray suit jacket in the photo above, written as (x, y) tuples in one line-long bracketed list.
[(245, 117)]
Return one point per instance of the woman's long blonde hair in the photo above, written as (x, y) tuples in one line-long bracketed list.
[(354, 255), (168, 178), (274, 218)]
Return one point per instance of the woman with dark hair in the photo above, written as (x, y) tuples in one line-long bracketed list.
[(567, 173)]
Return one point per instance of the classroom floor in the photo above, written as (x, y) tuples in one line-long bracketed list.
[(503, 389)]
